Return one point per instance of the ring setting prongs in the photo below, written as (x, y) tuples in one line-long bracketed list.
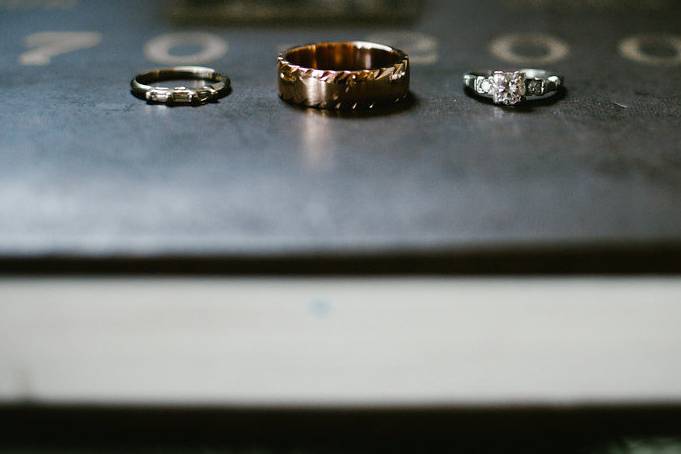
[(508, 88)]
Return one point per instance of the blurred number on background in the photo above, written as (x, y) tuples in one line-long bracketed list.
[(207, 47), (421, 48), (529, 49), (525, 49), (45, 45), (652, 49), (19, 5)]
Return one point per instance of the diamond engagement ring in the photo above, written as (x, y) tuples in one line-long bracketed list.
[(511, 88), (344, 75), (219, 85)]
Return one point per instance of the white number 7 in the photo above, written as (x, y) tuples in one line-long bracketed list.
[(50, 44)]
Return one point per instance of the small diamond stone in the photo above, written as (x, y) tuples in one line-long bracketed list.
[(158, 95), (534, 87), (508, 88), (484, 86), (182, 95)]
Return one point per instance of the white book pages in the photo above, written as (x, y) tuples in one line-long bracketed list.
[(340, 342)]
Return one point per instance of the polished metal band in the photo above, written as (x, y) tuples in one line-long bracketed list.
[(180, 95), (346, 75), (510, 88)]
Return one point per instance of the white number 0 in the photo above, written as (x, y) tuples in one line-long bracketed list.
[(211, 48), (50, 44)]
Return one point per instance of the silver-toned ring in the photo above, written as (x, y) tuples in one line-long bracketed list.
[(219, 85), (511, 88)]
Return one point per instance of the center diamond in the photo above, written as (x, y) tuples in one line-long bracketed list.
[(508, 88)]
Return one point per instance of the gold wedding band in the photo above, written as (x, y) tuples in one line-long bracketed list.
[(345, 75)]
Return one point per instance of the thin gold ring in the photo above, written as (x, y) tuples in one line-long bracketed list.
[(343, 75), (219, 85)]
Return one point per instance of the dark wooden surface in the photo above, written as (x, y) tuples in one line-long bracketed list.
[(89, 171)]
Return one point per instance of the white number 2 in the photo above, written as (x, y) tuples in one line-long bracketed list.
[(46, 45)]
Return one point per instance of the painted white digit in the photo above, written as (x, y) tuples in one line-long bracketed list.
[(46, 45), (212, 48), (505, 48), (12, 5), (633, 49), (421, 48)]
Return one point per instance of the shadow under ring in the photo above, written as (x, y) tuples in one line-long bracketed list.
[(343, 75)]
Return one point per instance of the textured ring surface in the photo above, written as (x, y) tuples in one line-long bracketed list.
[(345, 75), (511, 88), (218, 87)]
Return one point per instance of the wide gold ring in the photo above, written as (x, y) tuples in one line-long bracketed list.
[(344, 75)]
